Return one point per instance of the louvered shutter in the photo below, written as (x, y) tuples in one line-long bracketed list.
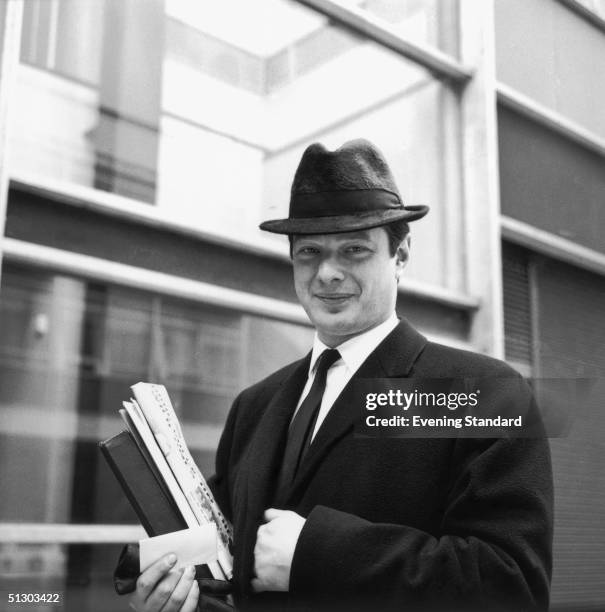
[(571, 344)]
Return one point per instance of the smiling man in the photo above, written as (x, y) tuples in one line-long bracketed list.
[(326, 520), (345, 281)]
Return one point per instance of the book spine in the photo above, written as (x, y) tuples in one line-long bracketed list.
[(154, 509)]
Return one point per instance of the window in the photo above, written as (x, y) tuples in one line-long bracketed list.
[(64, 36), (69, 350), (205, 116), (597, 7)]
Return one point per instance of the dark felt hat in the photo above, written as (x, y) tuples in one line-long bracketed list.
[(345, 190)]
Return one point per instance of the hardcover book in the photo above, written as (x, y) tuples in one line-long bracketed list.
[(146, 493)]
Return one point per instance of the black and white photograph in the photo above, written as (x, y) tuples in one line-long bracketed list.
[(302, 305)]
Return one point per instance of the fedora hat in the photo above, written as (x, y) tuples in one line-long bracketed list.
[(345, 190)]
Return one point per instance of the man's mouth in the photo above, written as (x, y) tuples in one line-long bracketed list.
[(334, 298)]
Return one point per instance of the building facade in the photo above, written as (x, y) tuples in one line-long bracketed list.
[(143, 142)]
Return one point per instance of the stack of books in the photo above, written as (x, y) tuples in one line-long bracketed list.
[(162, 482)]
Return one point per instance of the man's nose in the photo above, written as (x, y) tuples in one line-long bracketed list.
[(329, 271)]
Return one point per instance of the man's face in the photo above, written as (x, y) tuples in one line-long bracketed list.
[(347, 283)]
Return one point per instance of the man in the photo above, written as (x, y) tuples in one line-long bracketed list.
[(327, 520)]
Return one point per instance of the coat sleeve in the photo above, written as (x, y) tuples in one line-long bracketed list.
[(493, 550)]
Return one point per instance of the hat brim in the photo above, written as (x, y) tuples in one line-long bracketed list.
[(343, 223)]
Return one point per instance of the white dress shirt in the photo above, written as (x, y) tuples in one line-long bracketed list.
[(353, 353)]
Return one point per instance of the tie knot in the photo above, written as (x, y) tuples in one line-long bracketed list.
[(326, 360)]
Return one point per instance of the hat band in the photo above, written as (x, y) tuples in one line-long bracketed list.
[(339, 203)]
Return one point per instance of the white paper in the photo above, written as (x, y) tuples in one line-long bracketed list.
[(193, 546)]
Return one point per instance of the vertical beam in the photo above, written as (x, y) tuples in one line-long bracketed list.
[(11, 17), (480, 175), (453, 264)]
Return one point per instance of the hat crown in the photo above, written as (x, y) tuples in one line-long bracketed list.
[(345, 190), (356, 165)]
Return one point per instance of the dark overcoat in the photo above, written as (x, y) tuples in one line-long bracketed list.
[(391, 524)]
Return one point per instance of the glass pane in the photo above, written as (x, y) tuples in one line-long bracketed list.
[(205, 115), (429, 22), (595, 6), (64, 36), (80, 574), (69, 351)]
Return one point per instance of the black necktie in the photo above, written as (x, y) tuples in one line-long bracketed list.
[(301, 428)]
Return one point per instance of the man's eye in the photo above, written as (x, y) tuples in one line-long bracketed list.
[(307, 251), (356, 248)]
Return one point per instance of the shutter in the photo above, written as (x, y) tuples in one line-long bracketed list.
[(571, 343), (517, 312)]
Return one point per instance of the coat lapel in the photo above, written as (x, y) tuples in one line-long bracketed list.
[(393, 358), (262, 463)]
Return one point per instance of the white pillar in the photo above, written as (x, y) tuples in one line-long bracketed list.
[(480, 175)]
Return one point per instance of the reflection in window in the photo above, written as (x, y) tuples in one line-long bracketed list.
[(42, 568), (205, 115), (429, 22), (64, 36), (69, 351), (594, 6)]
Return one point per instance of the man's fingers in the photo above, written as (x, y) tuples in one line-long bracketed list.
[(180, 592), (272, 513), (190, 604), (152, 575), (163, 590)]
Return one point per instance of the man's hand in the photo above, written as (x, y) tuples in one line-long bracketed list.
[(275, 544), (160, 587)]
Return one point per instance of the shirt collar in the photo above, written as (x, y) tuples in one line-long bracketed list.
[(356, 350)]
